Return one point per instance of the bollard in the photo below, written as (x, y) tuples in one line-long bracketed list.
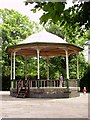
[(84, 90)]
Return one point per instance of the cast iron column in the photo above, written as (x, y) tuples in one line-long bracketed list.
[(67, 69)]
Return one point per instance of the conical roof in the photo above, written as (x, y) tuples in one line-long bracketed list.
[(43, 37), (47, 43)]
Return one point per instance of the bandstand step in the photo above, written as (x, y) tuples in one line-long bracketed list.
[(22, 94)]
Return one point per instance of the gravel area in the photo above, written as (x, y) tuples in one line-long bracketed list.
[(11, 107)]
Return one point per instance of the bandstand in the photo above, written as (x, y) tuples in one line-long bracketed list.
[(43, 44)]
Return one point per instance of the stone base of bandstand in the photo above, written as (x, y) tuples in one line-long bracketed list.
[(49, 92)]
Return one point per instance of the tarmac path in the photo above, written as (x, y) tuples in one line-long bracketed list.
[(11, 107)]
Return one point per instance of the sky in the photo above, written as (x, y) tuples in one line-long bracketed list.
[(20, 6)]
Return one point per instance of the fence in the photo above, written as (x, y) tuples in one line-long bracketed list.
[(45, 83)]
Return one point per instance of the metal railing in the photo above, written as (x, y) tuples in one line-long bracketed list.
[(44, 83), (22, 83)]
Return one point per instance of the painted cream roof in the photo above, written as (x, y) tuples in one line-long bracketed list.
[(43, 37), (47, 43)]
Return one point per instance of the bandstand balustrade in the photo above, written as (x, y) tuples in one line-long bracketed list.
[(43, 83)]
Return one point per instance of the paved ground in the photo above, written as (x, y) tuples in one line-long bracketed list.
[(11, 107)]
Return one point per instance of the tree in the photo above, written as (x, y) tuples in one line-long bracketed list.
[(75, 24), (52, 10), (88, 34), (85, 80), (55, 11), (55, 29), (73, 21), (57, 63), (15, 28)]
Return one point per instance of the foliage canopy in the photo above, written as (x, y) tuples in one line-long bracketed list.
[(70, 23), (14, 28)]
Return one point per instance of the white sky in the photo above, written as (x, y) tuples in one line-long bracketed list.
[(20, 6)]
